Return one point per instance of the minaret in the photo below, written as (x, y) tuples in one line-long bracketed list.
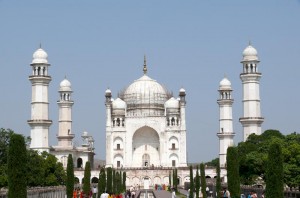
[(250, 77), (183, 152), (65, 103), (225, 133), (39, 121), (109, 146)]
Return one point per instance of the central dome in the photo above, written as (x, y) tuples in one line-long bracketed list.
[(145, 93)]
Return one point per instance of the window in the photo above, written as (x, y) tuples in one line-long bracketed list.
[(118, 147), (145, 160), (173, 146), (118, 164), (173, 163)]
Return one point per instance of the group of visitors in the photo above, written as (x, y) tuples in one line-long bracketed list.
[(78, 193), (111, 195), (253, 195), (130, 193), (226, 193)]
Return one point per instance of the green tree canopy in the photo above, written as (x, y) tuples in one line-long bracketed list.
[(102, 182), (87, 178), (274, 173), (203, 180), (109, 180), (233, 172), (70, 177), (253, 155), (197, 182), (191, 195), (218, 181), (17, 159)]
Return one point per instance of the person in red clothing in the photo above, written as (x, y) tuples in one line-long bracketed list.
[(75, 193)]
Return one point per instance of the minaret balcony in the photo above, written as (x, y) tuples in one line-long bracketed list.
[(250, 76), (35, 78), (69, 136), (222, 135), (249, 120), (39, 122)]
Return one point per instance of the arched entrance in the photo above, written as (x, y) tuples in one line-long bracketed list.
[(145, 147), (146, 183)]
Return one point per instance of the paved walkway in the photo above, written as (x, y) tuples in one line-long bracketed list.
[(182, 191), (159, 193), (162, 194), (166, 194)]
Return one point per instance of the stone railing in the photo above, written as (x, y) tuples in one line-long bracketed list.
[(41, 192)]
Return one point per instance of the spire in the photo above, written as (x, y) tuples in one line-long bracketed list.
[(145, 65)]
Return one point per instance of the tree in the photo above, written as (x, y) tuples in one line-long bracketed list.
[(253, 155), (124, 181), (197, 182), (203, 180), (291, 153), (175, 179), (218, 182), (117, 183), (114, 181), (191, 195), (35, 169), (70, 177), (102, 182), (274, 173), (109, 180), (170, 181), (233, 172), (5, 135), (54, 172), (16, 161), (213, 162), (87, 178)]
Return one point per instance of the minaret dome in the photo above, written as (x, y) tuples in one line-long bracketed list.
[(40, 56), (225, 84), (250, 54), (65, 85)]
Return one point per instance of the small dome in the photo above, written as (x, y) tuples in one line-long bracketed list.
[(225, 84), (182, 90), (107, 91), (40, 56), (65, 85), (84, 134), (172, 103), (118, 104), (250, 53)]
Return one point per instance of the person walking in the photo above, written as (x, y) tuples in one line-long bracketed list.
[(173, 193), (226, 193)]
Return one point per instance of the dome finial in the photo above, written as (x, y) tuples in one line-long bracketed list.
[(40, 45), (250, 42), (145, 65)]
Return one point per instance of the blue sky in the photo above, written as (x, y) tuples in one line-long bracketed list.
[(189, 44)]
